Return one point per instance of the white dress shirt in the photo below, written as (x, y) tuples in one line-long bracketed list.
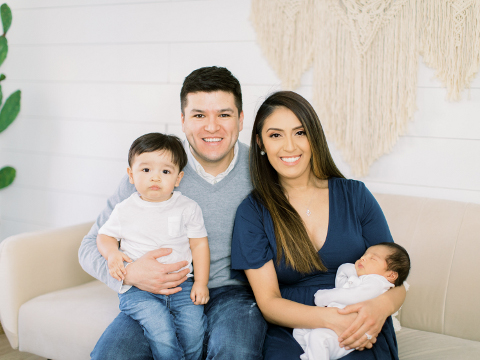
[(201, 171)]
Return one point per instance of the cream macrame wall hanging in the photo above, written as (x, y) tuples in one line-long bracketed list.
[(365, 57), (450, 41)]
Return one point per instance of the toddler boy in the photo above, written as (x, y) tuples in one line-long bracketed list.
[(153, 217)]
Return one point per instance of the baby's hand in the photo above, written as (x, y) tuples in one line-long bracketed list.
[(115, 265), (199, 294)]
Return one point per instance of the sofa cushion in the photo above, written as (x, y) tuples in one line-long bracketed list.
[(443, 240), (73, 319), (416, 344)]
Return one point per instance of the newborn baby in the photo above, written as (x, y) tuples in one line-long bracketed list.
[(382, 267)]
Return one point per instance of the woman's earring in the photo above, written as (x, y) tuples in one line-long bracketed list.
[(262, 152)]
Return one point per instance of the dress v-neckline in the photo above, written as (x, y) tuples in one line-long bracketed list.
[(329, 214)]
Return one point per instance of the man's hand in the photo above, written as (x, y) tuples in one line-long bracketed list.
[(199, 294), (149, 275), (115, 264)]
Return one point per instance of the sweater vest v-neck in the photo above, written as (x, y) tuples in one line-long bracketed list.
[(219, 204)]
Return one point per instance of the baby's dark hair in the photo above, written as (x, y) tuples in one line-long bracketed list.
[(397, 261), (158, 142)]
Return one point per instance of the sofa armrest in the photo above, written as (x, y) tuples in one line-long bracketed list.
[(36, 263)]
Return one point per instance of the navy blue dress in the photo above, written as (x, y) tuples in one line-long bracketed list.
[(355, 223)]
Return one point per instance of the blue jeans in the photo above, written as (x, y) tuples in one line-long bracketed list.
[(173, 325), (235, 330)]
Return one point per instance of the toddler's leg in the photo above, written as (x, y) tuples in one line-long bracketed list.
[(153, 315), (322, 344), (190, 322)]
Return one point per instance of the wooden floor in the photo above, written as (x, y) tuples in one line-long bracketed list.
[(7, 353)]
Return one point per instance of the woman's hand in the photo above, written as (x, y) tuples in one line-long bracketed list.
[(371, 316), (340, 323), (336, 322)]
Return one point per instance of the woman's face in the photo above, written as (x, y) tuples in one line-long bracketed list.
[(286, 145)]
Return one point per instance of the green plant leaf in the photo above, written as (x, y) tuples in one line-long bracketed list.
[(1, 95), (10, 110), (6, 14), (7, 175), (3, 49), (2, 77)]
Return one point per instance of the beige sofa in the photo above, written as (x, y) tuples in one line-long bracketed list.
[(50, 307)]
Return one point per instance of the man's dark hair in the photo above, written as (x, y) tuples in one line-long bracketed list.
[(158, 142), (210, 79), (397, 261)]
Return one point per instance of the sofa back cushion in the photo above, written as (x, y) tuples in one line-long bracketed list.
[(443, 240)]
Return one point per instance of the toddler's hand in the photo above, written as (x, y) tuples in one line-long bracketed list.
[(115, 265), (199, 294)]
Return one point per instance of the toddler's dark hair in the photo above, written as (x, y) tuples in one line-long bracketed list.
[(158, 142), (398, 261)]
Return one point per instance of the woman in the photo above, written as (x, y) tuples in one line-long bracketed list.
[(303, 220)]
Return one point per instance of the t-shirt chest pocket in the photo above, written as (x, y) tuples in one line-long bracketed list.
[(175, 226)]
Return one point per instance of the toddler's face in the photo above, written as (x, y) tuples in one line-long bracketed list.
[(373, 261), (154, 175)]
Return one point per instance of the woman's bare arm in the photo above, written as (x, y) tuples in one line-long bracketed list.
[(280, 311)]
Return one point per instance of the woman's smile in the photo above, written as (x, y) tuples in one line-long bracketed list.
[(291, 160)]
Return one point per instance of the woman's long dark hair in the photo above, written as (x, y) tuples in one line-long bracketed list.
[(291, 235)]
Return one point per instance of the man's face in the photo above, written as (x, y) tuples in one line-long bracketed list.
[(211, 123)]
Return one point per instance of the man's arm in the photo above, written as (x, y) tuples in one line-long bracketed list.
[(88, 255)]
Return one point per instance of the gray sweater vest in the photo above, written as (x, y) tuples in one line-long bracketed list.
[(219, 204)]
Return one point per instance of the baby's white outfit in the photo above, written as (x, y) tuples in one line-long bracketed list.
[(142, 226), (322, 343)]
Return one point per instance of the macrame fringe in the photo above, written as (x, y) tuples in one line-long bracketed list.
[(365, 87), (450, 41), (365, 57), (285, 34)]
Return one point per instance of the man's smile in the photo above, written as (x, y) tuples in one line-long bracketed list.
[(211, 140)]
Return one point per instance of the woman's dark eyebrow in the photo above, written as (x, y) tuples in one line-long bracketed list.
[(295, 128)]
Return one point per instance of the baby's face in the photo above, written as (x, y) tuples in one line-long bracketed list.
[(154, 175), (373, 261)]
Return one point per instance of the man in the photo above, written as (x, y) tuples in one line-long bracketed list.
[(217, 178)]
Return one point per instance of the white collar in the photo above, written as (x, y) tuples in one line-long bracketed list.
[(195, 165)]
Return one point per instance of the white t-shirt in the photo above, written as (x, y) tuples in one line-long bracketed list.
[(142, 226)]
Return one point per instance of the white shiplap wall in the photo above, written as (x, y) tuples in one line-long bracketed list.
[(96, 74)]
